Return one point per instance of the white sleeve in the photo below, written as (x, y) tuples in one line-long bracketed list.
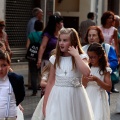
[(52, 59), (84, 56), (108, 69)]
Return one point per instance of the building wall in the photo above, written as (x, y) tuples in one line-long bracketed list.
[(80, 8), (2, 9)]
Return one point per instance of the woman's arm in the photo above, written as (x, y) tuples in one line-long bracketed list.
[(42, 49), (50, 83), (28, 43)]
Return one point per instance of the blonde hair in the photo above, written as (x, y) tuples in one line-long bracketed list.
[(46, 68), (75, 41)]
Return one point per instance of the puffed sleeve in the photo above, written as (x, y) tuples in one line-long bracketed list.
[(84, 56), (52, 59), (108, 69)]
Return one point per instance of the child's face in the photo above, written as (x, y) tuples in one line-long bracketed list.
[(93, 58), (4, 68), (64, 43)]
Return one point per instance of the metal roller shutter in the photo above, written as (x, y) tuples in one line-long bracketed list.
[(18, 12)]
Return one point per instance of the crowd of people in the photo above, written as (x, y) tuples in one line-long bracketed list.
[(72, 69)]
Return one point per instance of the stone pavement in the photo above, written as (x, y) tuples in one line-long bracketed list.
[(30, 102)]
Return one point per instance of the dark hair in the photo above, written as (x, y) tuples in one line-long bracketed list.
[(98, 49), (5, 56), (51, 25), (38, 26), (90, 15), (105, 16), (100, 35)]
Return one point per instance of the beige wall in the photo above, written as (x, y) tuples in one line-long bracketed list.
[(67, 5), (2, 9), (80, 8)]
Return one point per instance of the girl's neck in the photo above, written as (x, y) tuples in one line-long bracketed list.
[(66, 54)]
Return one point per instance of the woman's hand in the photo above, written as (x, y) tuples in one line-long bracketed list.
[(92, 78), (39, 63)]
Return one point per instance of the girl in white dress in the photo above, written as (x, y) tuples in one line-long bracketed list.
[(98, 82), (38, 114), (65, 97)]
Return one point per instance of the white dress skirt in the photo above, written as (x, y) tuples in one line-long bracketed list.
[(68, 99), (20, 115), (38, 114), (98, 96), (118, 105)]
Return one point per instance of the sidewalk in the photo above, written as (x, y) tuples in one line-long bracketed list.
[(30, 102)]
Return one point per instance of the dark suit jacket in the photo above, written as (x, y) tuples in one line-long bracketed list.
[(18, 86)]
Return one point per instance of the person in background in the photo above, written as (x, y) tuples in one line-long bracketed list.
[(117, 26), (94, 34), (98, 82), (34, 37), (37, 15), (108, 30), (110, 35), (4, 37), (85, 25), (49, 40)]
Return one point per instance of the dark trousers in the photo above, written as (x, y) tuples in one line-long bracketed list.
[(34, 75)]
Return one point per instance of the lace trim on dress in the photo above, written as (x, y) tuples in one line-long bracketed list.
[(68, 82)]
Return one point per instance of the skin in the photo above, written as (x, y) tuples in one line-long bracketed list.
[(4, 68), (68, 50), (106, 84), (93, 36)]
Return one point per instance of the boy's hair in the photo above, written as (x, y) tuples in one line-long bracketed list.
[(5, 56), (98, 49), (38, 26), (90, 15), (75, 41), (45, 69)]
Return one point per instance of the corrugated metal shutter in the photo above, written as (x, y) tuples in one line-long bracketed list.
[(18, 12)]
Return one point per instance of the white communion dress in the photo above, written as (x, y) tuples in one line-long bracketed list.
[(98, 96), (68, 99)]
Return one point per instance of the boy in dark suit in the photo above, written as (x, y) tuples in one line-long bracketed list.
[(12, 89)]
